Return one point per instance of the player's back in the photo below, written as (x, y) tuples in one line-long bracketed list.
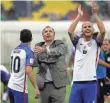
[(18, 64)]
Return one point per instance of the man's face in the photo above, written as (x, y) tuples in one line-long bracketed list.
[(48, 34), (105, 45), (87, 29)]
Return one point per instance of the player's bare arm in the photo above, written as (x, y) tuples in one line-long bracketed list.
[(30, 74), (98, 21), (103, 63), (74, 23)]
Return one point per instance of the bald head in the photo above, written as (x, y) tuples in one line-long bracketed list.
[(87, 29), (87, 23)]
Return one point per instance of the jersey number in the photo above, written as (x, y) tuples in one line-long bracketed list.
[(15, 64)]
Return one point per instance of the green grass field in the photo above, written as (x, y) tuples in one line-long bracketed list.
[(32, 92)]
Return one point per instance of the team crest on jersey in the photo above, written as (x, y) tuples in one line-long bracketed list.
[(89, 44), (31, 61)]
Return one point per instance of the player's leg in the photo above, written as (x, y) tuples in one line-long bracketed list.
[(5, 92), (11, 95), (107, 94), (90, 92), (4, 80), (76, 95), (101, 84)]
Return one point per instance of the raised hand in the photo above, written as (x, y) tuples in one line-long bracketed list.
[(94, 7), (80, 12)]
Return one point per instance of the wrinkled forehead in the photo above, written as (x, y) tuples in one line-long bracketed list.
[(105, 42), (48, 29), (87, 23)]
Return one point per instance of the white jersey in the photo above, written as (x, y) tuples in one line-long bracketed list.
[(21, 57), (85, 60)]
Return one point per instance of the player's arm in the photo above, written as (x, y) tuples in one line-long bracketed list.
[(103, 63), (70, 61), (74, 23), (100, 24), (30, 74), (69, 65)]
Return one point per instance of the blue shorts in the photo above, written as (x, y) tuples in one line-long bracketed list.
[(83, 92), (17, 97)]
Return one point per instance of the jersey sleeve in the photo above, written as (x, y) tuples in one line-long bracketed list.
[(75, 41), (30, 58), (99, 43), (72, 52)]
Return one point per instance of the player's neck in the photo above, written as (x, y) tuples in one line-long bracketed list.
[(87, 38), (29, 44)]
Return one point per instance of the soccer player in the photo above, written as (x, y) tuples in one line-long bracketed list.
[(5, 75), (22, 60), (106, 49), (84, 88), (101, 75)]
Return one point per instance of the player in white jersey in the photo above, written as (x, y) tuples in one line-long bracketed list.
[(22, 59), (84, 88), (5, 75)]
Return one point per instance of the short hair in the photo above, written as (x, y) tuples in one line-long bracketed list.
[(25, 35), (107, 40), (48, 27)]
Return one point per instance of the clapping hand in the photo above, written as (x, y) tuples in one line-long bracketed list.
[(94, 8), (80, 12)]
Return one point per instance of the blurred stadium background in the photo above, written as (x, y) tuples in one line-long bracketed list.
[(35, 15)]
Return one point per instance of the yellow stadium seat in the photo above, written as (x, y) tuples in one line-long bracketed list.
[(7, 5), (59, 7)]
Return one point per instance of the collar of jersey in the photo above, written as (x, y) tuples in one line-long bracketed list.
[(25, 44)]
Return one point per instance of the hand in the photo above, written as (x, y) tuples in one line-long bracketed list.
[(37, 94), (38, 49), (94, 8), (80, 12)]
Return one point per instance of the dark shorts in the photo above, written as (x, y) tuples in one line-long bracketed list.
[(101, 90), (101, 87), (107, 89)]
